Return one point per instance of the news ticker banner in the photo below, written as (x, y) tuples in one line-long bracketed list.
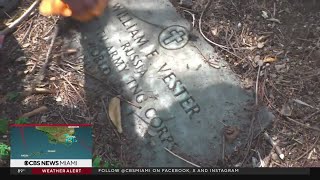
[(161, 171), (51, 145)]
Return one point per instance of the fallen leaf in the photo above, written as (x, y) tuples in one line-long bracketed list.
[(214, 31), (58, 99), (274, 20), (96, 162), (280, 67), (260, 45), (302, 103), (248, 83), (269, 59), (260, 63), (256, 59), (286, 110), (273, 75), (231, 133), (115, 113), (26, 45), (53, 78), (262, 38), (264, 14), (43, 119)]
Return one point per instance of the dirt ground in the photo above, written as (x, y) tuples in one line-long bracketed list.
[(275, 40)]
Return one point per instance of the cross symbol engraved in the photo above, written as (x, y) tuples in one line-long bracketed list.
[(176, 36)]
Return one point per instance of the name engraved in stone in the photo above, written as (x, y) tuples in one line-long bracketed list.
[(130, 23), (180, 92)]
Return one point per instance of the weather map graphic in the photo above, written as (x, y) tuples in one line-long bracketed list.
[(39, 145)]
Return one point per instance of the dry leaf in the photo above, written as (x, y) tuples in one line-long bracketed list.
[(274, 20), (26, 45), (264, 14), (280, 68), (58, 99), (286, 110), (115, 113), (53, 79), (214, 31), (269, 59), (231, 133), (260, 45)]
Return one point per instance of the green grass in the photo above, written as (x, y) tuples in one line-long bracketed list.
[(22, 121)]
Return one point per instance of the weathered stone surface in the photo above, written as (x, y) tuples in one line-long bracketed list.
[(144, 48)]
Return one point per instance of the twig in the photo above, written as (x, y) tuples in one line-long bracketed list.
[(47, 60), (181, 158), (274, 144), (18, 21), (250, 138), (311, 115), (107, 115), (3, 11), (31, 91), (303, 103), (262, 163), (257, 85), (55, 22), (224, 124), (34, 112), (200, 27), (313, 145), (28, 31), (274, 9), (303, 125), (76, 92), (204, 36), (306, 58), (62, 117), (192, 15)]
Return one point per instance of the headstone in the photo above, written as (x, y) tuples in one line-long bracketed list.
[(160, 64)]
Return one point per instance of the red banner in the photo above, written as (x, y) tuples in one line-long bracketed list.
[(61, 171)]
